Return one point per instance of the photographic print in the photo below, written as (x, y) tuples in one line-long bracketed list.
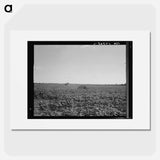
[(79, 79)]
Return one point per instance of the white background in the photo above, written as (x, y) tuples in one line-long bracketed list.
[(86, 145), (141, 84)]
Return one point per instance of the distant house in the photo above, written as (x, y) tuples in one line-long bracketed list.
[(66, 84)]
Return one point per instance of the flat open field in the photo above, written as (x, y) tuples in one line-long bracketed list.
[(77, 100)]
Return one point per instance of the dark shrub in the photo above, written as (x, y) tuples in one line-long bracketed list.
[(82, 87)]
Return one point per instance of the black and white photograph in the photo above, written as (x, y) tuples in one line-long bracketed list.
[(80, 80)]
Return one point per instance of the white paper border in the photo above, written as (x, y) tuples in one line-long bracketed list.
[(141, 80)]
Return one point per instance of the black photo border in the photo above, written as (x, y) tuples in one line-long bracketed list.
[(30, 75)]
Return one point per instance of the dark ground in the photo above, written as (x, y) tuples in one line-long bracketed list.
[(76, 100)]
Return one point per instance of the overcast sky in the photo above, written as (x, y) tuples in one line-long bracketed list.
[(85, 64)]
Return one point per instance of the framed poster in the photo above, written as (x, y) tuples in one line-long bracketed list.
[(82, 80)]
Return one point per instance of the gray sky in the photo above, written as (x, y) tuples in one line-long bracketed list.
[(85, 64)]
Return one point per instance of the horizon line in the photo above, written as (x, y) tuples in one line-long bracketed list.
[(83, 83)]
